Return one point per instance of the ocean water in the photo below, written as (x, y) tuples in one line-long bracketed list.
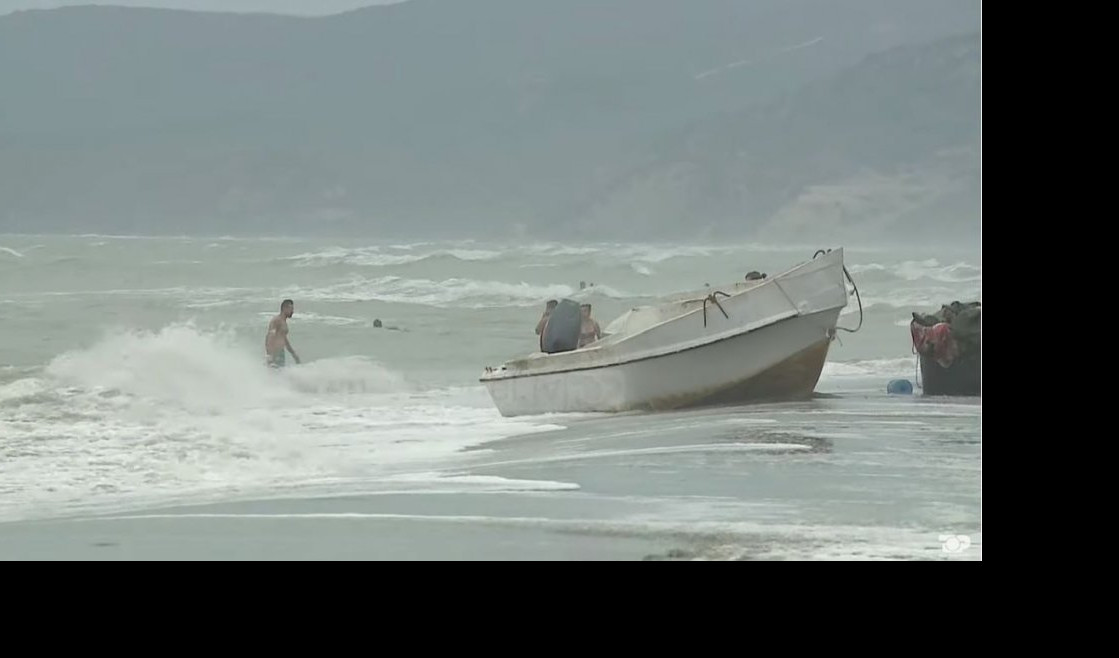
[(133, 391)]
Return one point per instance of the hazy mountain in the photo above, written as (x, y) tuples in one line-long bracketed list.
[(889, 147), (569, 117)]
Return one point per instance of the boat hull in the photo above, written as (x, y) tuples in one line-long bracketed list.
[(962, 378), (780, 361)]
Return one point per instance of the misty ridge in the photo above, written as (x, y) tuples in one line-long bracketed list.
[(804, 120)]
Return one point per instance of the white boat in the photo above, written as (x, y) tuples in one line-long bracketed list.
[(755, 340)]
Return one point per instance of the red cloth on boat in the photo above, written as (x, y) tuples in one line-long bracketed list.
[(936, 341)]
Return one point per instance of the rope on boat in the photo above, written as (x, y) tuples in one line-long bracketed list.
[(714, 300), (853, 285), (860, 300)]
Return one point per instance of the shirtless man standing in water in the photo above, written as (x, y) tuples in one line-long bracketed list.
[(277, 339)]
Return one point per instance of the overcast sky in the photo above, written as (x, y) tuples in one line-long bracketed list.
[(304, 7)]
